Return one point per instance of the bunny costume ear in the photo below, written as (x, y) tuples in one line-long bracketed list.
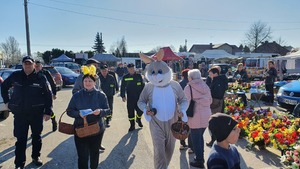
[(160, 54), (146, 59)]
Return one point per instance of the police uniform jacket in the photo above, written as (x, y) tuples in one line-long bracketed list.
[(133, 86), (30, 93), (108, 84), (50, 80)]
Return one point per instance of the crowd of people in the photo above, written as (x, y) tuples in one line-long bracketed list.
[(95, 89)]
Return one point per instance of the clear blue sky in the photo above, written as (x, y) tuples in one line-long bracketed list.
[(73, 24)]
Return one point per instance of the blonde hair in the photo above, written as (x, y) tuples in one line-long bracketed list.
[(240, 64)]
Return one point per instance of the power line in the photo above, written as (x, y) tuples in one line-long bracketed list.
[(164, 16), (151, 24)]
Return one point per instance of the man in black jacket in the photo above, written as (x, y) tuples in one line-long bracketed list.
[(30, 102), (132, 84), (46, 73), (218, 84)]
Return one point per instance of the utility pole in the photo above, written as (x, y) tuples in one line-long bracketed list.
[(27, 28), (185, 44)]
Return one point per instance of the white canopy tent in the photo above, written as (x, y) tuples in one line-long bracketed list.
[(216, 54)]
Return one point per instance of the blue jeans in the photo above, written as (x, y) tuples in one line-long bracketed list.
[(198, 143)]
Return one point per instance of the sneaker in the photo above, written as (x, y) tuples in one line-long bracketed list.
[(183, 147), (190, 151), (37, 161), (197, 164), (209, 144), (102, 148)]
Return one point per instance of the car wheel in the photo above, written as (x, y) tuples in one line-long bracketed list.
[(4, 115)]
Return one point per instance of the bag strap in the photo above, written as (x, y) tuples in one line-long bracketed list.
[(62, 115), (85, 123), (191, 92)]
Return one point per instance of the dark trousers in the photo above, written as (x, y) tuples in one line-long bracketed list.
[(22, 121), (87, 149), (270, 92), (131, 107), (102, 130), (198, 143), (110, 100)]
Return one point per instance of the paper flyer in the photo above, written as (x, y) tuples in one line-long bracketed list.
[(86, 112)]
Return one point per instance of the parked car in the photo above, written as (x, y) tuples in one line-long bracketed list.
[(56, 76), (18, 66), (4, 112), (288, 95), (68, 76), (73, 66)]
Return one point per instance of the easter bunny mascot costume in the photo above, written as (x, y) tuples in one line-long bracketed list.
[(162, 101)]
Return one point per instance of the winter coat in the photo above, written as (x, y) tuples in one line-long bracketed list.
[(203, 99)]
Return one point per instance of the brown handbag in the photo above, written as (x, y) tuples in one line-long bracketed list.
[(65, 127), (87, 129)]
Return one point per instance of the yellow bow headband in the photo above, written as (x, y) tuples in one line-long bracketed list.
[(89, 70)]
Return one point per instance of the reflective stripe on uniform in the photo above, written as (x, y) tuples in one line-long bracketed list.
[(133, 118), (128, 79), (138, 116), (53, 116), (138, 83), (111, 85)]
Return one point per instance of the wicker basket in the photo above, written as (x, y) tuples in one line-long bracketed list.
[(180, 130)]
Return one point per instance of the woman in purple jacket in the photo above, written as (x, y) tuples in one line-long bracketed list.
[(199, 122)]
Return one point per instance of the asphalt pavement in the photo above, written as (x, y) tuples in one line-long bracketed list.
[(124, 150)]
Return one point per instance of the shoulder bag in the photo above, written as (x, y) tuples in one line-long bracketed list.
[(190, 110)]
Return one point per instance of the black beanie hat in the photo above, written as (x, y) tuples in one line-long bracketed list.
[(221, 125)]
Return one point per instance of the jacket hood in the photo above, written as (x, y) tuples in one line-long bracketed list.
[(197, 84)]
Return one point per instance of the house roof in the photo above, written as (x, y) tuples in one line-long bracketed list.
[(273, 47), (200, 48), (197, 48)]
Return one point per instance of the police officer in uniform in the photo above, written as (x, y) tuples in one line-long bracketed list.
[(132, 84), (108, 85), (30, 102), (46, 73)]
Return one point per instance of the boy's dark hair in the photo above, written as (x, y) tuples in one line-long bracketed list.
[(214, 70), (90, 76)]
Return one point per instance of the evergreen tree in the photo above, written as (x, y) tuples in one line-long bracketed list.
[(246, 49), (99, 45), (182, 48), (241, 47)]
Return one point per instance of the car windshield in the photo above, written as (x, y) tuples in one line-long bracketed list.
[(64, 70)]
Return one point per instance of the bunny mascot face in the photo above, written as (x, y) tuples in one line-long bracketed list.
[(167, 98)]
